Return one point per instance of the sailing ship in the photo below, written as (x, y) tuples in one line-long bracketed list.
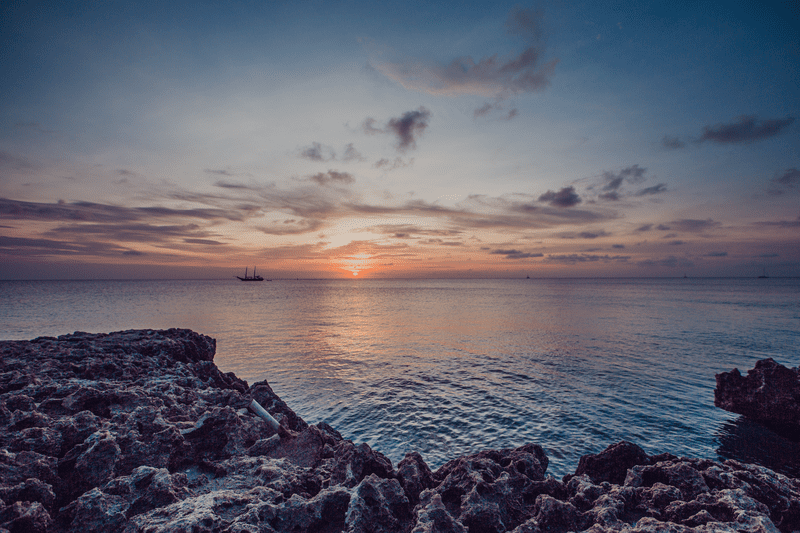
[(254, 277)]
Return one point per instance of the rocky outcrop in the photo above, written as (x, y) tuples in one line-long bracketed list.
[(770, 394), (139, 431)]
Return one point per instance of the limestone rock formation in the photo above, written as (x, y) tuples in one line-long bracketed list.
[(139, 431), (770, 393)]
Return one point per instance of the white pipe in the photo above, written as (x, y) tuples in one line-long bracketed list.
[(260, 411)]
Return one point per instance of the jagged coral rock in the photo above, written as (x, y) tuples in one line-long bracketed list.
[(612, 464), (139, 431), (770, 393)]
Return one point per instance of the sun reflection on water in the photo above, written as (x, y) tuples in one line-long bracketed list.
[(448, 367)]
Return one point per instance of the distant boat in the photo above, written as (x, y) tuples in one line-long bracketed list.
[(764, 275), (250, 278)]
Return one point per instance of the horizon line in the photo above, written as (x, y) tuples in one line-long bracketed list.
[(355, 278)]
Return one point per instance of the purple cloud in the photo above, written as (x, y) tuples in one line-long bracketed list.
[(318, 152), (351, 154), (407, 128), (332, 177), (747, 128), (387, 164), (790, 178), (489, 76), (516, 254), (612, 182), (655, 189), (783, 183), (566, 197), (693, 225), (672, 143)]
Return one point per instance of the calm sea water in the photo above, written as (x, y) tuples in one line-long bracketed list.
[(449, 367)]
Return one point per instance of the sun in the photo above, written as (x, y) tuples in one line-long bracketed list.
[(355, 273)]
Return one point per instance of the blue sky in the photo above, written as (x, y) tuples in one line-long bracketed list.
[(399, 139)]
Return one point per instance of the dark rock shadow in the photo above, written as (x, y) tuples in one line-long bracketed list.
[(748, 441)]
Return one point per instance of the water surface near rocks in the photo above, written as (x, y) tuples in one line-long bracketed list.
[(449, 367)]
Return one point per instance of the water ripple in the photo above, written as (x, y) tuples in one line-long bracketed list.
[(448, 367)]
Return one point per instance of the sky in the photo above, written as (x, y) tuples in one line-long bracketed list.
[(399, 139)]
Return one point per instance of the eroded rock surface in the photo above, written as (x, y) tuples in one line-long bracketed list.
[(769, 393), (138, 431)]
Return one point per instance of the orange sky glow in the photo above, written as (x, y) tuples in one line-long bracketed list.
[(362, 141)]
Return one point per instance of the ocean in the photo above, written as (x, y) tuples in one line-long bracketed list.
[(451, 367)]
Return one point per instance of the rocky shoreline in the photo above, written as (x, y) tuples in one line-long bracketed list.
[(139, 431)]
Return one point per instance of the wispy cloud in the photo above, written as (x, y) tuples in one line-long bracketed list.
[(291, 227), (591, 234), (485, 109), (405, 231), (332, 177), (154, 234), (612, 185), (667, 262), (15, 162), (351, 154), (231, 185), (693, 225), (323, 153), (672, 143), (43, 248), (781, 223), (93, 212), (566, 197), (393, 164), (516, 254), (490, 76), (34, 127), (747, 128), (318, 152), (785, 182), (744, 129), (407, 128), (496, 107), (655, 189), (209, 242), (790, 178), (214, 171), (36, 247), (571, 259), (316, 203)]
